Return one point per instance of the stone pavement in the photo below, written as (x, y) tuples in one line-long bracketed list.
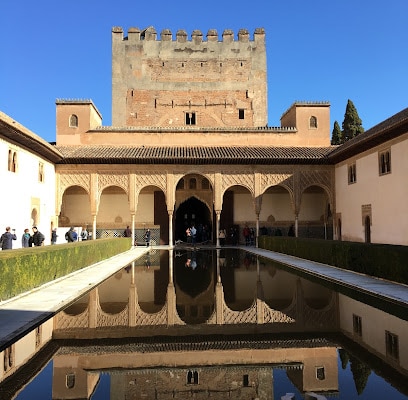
[(22, 314)]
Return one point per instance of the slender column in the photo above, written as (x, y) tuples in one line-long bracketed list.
[(93, 308), (171, 294), (133, 230), (94, 227), (171, 266), (170, 227), (217, 232), (257, 230), (296, 224)]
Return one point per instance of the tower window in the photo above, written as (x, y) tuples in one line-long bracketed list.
[(241, 113), (313, 122), (73, 121), (191, 118)]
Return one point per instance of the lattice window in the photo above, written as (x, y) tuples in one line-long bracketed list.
[(392, 345), (352, 173), (357, 325), (313, 122), (384, 159)]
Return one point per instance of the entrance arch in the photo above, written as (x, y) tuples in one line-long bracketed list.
[(194, 205), (193, 212)]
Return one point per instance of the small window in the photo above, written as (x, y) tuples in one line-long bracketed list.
[(40, 172), (320, 373), (352, 176), (192, 183), (8, 360), (205, 183), (192, 377), (357, 325), (241, 113), (70, 381), (180, 184), (191, 118), (38, 333), (73, 121), (391, 345), (313, 122), (12, 161), (245, 380), (385, 162)]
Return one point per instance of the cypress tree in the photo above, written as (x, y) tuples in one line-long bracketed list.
[(352, 124), (336, 134)]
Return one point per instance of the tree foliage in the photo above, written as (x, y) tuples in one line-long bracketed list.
[(336, 134), (352, 124)]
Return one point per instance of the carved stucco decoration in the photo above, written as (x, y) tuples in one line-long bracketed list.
[(151, 178), (120, 179), (238, 179), (68, 180), (284, 179)]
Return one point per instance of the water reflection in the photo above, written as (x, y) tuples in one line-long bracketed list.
[(218, 324)]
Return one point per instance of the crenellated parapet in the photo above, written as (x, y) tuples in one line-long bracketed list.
[(135, 34), (179, 78)]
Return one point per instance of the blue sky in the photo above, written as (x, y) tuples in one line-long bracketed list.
[(317, 50)]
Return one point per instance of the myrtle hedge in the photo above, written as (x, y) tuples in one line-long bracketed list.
[(380, 260), (22, 270)]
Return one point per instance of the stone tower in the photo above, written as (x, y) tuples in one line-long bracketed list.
[(181, 82)]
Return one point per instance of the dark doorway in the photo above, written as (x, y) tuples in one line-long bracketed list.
[(193, 211)]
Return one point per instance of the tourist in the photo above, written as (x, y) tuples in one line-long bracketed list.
[(222, 237), (147, 237), (25, 239), (84, 234), (71, 235), (193, 232), (54, 236), (7, 239), (127, 232), (38, 237)]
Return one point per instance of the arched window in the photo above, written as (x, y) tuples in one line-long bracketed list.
[(192, 183), (313, 122), (205, 184), (352, 175), (40, 172), (385, 162), (73, 121), (180, 184), (70, 380), (12, 161)]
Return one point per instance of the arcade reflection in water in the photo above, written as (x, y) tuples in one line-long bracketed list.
[(226, 325)]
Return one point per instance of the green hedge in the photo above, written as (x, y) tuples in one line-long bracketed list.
[(25, 269), (379, 260)]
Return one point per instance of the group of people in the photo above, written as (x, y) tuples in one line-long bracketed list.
[(27, 240), (146, 236)]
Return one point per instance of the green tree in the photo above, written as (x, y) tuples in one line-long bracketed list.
[(352, 124), (336, 134), (360, 372)]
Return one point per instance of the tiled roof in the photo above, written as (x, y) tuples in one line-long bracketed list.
[(17, 133), (380, 133), (193, 155)]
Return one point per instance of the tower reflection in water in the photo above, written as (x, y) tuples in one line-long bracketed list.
[(216, 324)]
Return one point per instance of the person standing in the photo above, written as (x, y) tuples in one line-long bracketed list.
[(147, 237), (84, 234), (7, 239), (54, 236), (25, 239), (38, 237), (127, 232)]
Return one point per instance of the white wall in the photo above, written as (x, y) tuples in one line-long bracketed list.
[(21, 191), (387, 195)]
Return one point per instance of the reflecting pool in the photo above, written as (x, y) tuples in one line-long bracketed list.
[(218, 324)]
